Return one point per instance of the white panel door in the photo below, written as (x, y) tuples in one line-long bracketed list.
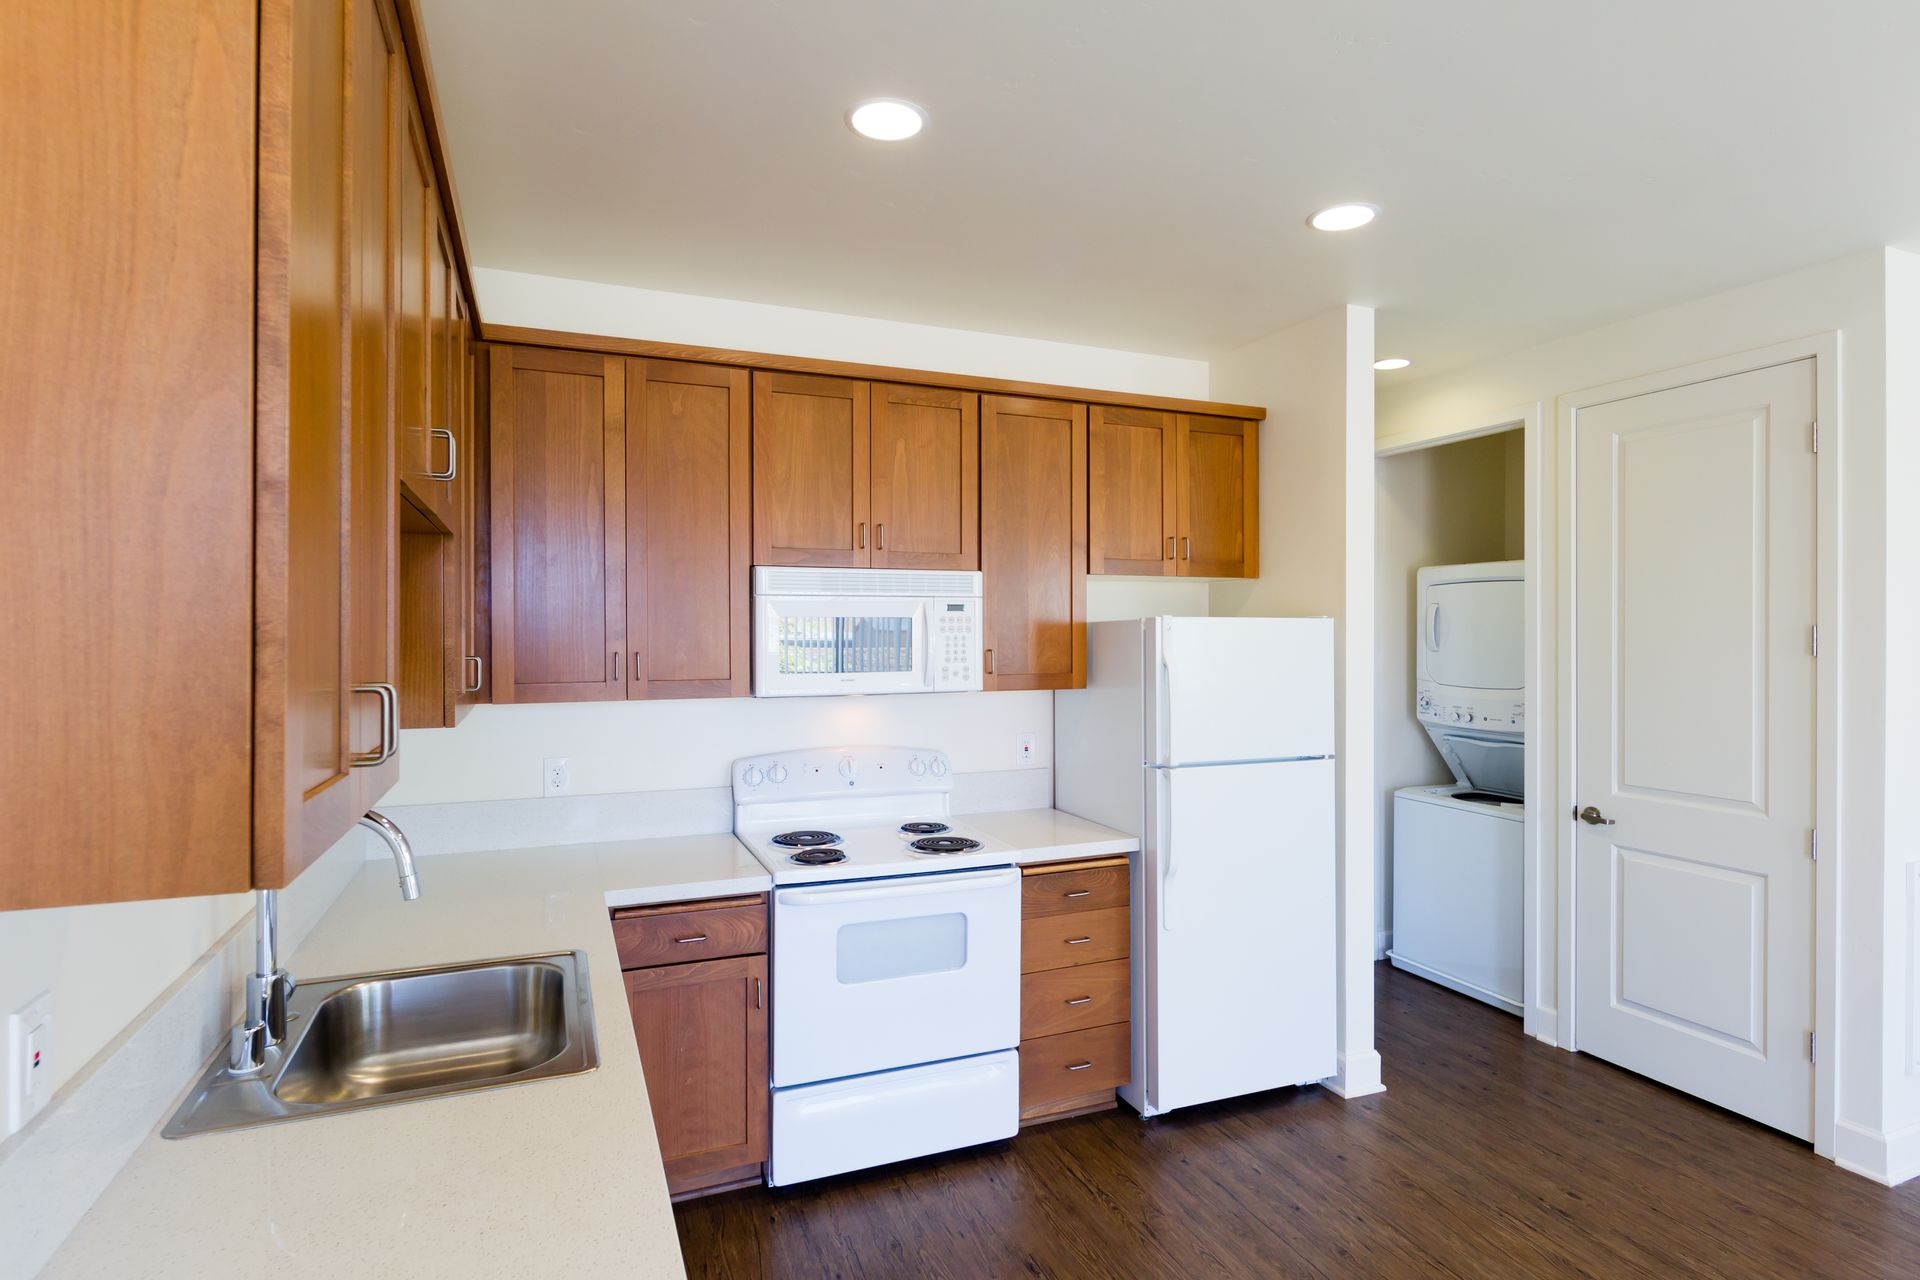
[(1243, 689), (1239, 956), (1694, 599)]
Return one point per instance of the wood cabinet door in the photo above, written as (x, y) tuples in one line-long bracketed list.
[(1219, 497), (702, 1031), (127, 156), (421, 271), (1033, 542), (810, 438), (470, 674), (688, 529), (558, 425), (925, 470), (1131, 510)]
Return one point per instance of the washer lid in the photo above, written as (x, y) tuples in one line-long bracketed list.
[(1487, 763)]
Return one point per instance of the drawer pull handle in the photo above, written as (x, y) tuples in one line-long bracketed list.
[(697, 937), (1082, 1000), (1078, 1066), (1074, 942), (1080, 893)]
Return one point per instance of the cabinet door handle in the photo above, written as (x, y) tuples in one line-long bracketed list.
[(453, 461), (759, 997), (692, 937), (1078, 1066), (636, 666), (389, 727), (880, 536), (863, 535), (479, 673), (989, 662), (1074, 942), (1186, 547), (1082, 1000), (615, 664), (1079, 893)]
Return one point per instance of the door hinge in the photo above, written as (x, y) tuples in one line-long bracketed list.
[(1813, 1046), (1813, 638), (1813, 430), (1813, 843)]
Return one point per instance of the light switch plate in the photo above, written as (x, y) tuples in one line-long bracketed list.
[(29, 1060)]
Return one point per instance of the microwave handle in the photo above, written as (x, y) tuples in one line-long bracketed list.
[(941, 885), (922, 658)]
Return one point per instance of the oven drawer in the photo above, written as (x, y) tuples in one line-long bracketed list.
[(1075, 998), (649, 936), (1054, 1069), (823, 1129), (1079, 937), (1048, 893)]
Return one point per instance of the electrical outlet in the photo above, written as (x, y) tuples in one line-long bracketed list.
[(29, 1060), (553, 778), (1025, 750)]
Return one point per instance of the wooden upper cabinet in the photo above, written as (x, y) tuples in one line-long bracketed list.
[(810, 475), (925, 478), (1132, 518), (1033, 542), (558, 547), (702, 1032), (688, 529), (422, 264), (1219, 497)]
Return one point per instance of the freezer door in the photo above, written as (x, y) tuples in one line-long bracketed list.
[(1239, 958), (1233, 689)]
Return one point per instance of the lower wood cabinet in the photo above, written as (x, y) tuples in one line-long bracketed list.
[(701, 1027), (1076, 997)]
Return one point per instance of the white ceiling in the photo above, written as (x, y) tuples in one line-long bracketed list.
[(1137, 174)]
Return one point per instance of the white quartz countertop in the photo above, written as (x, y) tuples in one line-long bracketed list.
[(559, 1177), (1048, 835)]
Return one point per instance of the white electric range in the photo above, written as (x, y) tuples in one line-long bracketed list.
[(896, 959)]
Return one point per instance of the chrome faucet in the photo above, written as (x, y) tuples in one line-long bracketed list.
[(264, 1021)]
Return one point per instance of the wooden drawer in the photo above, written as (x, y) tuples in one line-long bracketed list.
[(1050, 893), (679, 933), (1055, 1069), (1080, 937), (1073, 999)]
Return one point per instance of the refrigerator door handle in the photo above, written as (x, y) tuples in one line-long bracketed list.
[(1162, 836)]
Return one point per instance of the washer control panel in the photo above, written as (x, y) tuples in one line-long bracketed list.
[(1494, 710)]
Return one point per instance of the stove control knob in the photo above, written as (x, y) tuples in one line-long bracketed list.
[(916, 766), (751, 775), (777, 774), (846, 767), (939, 766)]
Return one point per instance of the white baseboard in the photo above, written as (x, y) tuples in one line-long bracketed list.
[(1887, 1158), (1382, 943), (1359, 1075), (1543, 1024)]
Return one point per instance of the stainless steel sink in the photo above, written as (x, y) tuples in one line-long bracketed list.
[(381, 1038)]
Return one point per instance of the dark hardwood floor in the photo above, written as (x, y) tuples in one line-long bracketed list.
[(1489, 1155)]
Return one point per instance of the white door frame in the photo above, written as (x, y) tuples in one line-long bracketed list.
[(1540, 1016), (1557, 573)]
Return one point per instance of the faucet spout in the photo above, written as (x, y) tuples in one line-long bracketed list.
[(396, 839)]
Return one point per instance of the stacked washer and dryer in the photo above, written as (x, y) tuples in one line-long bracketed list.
[(1458, 849)]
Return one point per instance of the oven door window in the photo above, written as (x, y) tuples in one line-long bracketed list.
[(882, 950)]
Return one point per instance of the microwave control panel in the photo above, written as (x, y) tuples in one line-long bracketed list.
[(953, 645)]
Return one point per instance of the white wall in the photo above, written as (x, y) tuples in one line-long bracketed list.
[(1458, 503), (1871, 299), (1316, 558), (618, 311)]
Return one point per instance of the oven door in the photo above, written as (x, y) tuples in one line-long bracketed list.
[(815, 644), (878, 974)]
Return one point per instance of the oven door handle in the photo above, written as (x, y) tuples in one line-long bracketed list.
[(943, 885)]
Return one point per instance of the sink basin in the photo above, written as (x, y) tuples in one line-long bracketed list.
[(381, 1038)]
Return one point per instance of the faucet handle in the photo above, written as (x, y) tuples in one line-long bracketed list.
[(279, 990), (247, 1047)]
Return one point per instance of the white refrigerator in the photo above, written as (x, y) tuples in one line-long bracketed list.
[(1211, 739)]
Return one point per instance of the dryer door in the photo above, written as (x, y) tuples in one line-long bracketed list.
[(1473, 634)]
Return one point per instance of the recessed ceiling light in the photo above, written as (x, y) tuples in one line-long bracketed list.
[(1344, 217), (887, 119), (1392, 362)]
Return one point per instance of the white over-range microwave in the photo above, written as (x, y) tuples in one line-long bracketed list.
[(819, 631)]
